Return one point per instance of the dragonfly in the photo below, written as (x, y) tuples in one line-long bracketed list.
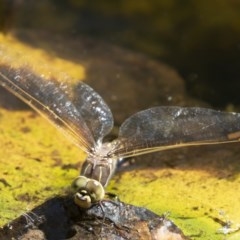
[(81, 114)]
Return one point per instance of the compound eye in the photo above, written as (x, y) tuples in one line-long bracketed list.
[(79, 183), (95, 190)]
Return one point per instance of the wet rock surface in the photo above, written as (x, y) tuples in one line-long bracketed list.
[(60, 218)]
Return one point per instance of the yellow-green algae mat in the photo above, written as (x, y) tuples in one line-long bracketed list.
[(37, 162)]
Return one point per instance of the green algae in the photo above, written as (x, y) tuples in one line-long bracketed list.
[(195, 200), (34, 164)]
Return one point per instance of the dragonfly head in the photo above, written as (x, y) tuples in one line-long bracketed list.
[(87, 191)]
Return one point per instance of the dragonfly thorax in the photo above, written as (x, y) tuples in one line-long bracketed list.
[(99, 165)]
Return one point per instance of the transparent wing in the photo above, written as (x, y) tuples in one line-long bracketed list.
[(162, 128), (94, 110), (57, 102)]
